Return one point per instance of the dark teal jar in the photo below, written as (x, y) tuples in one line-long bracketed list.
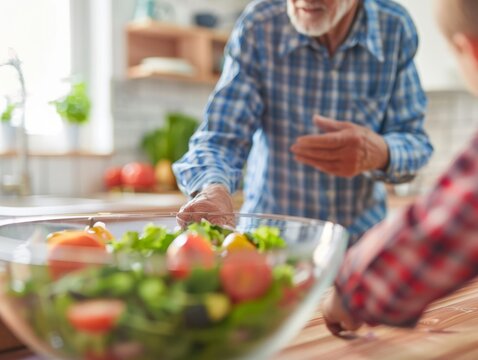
[(145, 10)]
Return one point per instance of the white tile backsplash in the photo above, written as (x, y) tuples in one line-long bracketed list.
[(62, 176), (451, 120)]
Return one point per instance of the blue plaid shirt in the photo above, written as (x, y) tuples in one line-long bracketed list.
[(275, 80)]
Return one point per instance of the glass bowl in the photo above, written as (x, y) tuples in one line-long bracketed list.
[(130, 305)]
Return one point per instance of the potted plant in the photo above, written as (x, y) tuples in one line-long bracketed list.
[(74, 108), (165, 145), (7, 130)]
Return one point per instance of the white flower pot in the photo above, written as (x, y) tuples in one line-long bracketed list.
[(72, 137), (7, 136)]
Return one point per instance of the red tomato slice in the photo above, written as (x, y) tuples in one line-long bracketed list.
[(189, 250), (303, 281), (95, 316), (290, 296), (245, 276)]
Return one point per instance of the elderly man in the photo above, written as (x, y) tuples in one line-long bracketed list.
[(322, 99)]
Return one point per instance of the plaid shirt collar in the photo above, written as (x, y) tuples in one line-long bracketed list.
[(365, 32)]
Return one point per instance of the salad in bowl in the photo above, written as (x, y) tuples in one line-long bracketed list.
[(136, 286)]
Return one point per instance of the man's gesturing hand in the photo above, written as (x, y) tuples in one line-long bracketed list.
[(346, 149), (213, 203)]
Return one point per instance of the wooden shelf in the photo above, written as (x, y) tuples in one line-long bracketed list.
[(200, 47), (137, 72)]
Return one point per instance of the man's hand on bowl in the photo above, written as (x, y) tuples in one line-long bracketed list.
[(209, 203)]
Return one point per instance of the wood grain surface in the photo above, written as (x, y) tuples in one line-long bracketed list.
[(448, 330)]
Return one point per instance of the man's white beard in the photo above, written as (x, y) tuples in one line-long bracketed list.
[(318, 29)]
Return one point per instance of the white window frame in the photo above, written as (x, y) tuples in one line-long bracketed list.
[(91, 32), (91, 58)]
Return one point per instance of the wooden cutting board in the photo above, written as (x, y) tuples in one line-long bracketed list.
[(448, 330)]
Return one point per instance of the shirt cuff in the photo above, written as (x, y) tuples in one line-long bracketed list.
[(394, 173), (200, 181)]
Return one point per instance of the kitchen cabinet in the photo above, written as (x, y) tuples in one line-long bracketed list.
[(435, 60), (200, 47)]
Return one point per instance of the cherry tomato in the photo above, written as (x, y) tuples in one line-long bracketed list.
[(245, 275), (95, 316), (73, 238), (60, 260), (303, 281), (237, 241), (189, 250), (290, 296)]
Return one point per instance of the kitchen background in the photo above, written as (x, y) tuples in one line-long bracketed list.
[(129, 104)]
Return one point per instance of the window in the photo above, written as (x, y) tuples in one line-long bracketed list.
[(58, 39)]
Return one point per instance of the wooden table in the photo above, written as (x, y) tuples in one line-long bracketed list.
[(447, 331)]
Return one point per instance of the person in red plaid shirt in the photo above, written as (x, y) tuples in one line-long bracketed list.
[(431, 248)]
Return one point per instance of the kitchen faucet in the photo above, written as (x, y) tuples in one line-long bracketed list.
[(19, 184)]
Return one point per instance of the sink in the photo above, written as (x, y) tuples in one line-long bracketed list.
[(114, 202), (45, 201)]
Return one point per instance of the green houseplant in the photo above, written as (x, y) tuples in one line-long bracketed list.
[(7, 114), (74, 108), (165, 145)]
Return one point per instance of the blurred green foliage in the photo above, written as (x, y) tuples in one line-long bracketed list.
[(171, 141), (75, 106), (7, 113)]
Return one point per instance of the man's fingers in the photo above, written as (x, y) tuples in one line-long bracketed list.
[(213, 203), (324, 165), (222, 220), (326, 141), (197, 210), (336, 317), (350, 325), (183, 219), (319, 154), (194, 211), (334, 327), (328, 124)]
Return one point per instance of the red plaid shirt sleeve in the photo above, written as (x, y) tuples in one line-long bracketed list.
[(424, 252)]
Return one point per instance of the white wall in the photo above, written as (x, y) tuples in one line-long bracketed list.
[(434, 60)]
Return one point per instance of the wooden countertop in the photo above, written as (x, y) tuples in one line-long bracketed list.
[(448, 330)]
